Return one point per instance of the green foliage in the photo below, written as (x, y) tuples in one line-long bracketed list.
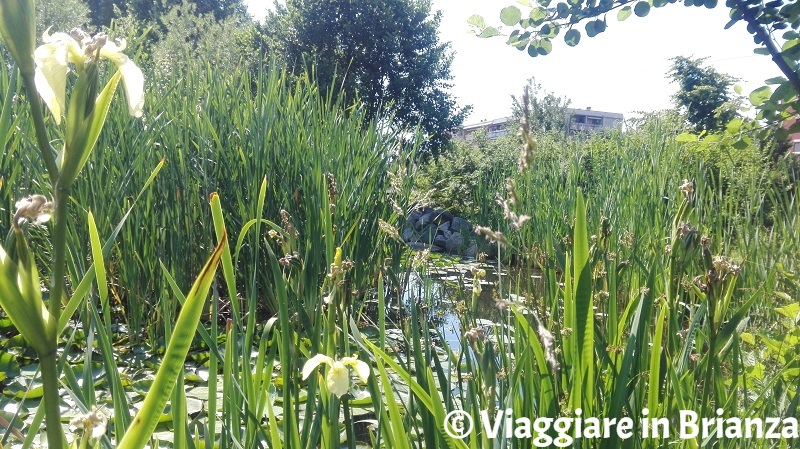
[(152, 10), (547, 111), (703, 94), (102, 12), (61, 15), (384, 54), (193, 39), (452, 180)]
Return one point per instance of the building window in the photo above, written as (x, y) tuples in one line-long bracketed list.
[(578, 119), (595, 121), (796, 147)]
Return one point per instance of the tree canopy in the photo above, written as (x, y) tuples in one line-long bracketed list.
[(384, 53), (773, 25), (547, 111), (60, 15), (103, 11), (703, 94)]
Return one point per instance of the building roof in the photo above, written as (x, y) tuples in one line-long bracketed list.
[(484, 123), (590, 111)]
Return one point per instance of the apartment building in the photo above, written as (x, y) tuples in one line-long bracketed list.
[(494, 128), (577, 121), (588, 120)]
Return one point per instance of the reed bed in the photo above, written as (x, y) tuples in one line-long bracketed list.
[(651, 292)]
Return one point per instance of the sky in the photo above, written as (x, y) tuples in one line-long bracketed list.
[(621, 70)]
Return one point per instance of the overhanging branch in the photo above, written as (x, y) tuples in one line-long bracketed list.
[(760, 31)]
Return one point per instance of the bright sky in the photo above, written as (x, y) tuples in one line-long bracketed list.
[(621, 70)]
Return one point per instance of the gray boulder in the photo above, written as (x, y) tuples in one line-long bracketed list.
[(442, 216), (408, 232), (428, 233), (425, 220), (454, 243), (440, 241), (460, 225), (472, 251)]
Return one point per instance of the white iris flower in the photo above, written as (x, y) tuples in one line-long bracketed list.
[(338, 377), (60, 49)]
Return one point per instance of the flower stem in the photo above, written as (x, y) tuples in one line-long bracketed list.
[(48, 361), (49, 367), (38, 123), (59, 254), (712, 342)]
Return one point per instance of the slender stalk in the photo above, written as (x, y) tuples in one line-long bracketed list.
[(59, 252), (712, 342), (48, 363), (38, 122)]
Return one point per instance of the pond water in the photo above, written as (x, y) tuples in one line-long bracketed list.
[(442, 288)]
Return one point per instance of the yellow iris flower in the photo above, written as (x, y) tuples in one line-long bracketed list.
[(338, 377), (60, 49)]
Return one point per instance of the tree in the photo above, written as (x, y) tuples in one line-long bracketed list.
[(703, 94), (382, 53), (193, 40), (60, 15), (154, 9), (103, 11), (773, 24), (548, 112)]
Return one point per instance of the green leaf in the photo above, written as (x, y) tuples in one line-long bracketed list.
[(21, 295), (562, 10), (655, 359), (489, 32), (548, 30), (9, 367), (741, 144), (660, 3), (710, 4), (641, 9), (572, 37), (791, 311), (538, 15), (590, 29), (789, 44), (545, 47), (599, 25), (510, 15), (760, 95), (686, 138), (75, 162), (776, 80), (5, 114), (734, 126), (146, 420), (784, 93), (624, 13), (477, 20), (584, 310)]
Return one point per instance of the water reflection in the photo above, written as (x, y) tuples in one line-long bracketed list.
[(443, 292)]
